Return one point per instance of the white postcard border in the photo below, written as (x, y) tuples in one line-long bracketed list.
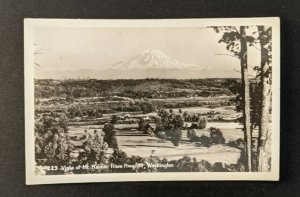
[(32, 179)]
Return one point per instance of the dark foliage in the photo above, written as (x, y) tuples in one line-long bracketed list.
[(110, 135), (52, 142), (216, 137), (72, 89)]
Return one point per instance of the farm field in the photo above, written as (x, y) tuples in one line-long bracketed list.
[(164, 126), (133, 143)]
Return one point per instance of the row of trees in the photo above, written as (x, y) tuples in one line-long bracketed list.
[(237, 41), (184, 164)]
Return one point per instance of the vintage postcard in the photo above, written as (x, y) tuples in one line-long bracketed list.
[(151, 100)]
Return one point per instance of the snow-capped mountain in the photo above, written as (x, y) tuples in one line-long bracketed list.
[(147, 64), (152, 59)]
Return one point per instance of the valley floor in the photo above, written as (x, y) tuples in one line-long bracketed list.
[(133, 143)]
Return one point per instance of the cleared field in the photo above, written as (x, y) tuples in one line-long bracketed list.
[(144, 146), (133, 143)]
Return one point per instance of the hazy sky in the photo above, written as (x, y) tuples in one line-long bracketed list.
[(71, 48)]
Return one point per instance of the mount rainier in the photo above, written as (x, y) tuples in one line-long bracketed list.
[(147, 64), (153, 59)]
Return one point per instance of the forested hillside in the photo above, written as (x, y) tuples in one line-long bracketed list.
[(139, 88)]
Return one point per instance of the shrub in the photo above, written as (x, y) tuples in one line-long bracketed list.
[(110, 135), (114, 119), (194, 126), (205, 141), (202, 122), (154, 160), (191, 133), (118, 157), (178, 121), (175, 136), (239, 143), (216, 136), (185, 164), (188, 164), (205, 166), (142, 124), (94, 153), (219, 167)]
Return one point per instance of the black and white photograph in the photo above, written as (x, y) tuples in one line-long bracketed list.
[(150, 100)]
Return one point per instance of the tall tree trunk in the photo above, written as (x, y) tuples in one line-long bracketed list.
[(263, 140), (246, 96)]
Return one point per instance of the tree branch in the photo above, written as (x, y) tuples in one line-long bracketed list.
[(226, 55), (236, 29), (202, 27), (240, 72), (38, 50), (37, 64), (254, 47)]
